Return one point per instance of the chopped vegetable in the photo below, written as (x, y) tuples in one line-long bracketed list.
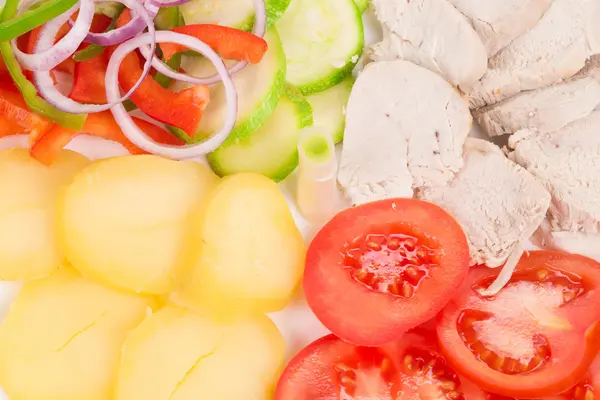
[(93, 49), (259, 88), (537, 337), (229, 43), (177, 354), (323, 40), (272, 150), (14, 26), (247, 251), (28, 90), (63, 336), (15, 113), (48, 147), (410, 369), (88, 80), (183, 110), (317, 193), (388, 263), (29, 248), (138, 207), (129, 127)]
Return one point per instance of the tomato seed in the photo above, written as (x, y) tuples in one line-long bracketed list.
[(374, 246), (407, 290), (393, 244)]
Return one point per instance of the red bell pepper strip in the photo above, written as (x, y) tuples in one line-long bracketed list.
[(16, 115), (88, 80), (229, 43), (101, 125), (183, 109)]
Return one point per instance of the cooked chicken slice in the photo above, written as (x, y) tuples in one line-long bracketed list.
[(432, 34), (499, 22), (405, 128), (567, 162), (548, 109), (555, 49), (498, 203)]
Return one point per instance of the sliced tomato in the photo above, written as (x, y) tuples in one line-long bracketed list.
[(537, 337), (379, 269), (330, 368), (410, 369)]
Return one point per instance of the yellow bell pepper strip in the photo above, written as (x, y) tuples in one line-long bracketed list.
[(15, 26), (35, 103)]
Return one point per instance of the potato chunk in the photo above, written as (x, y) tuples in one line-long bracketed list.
[(249, 252), (29, 189), (176, 354), (125, 220), (62, 338)]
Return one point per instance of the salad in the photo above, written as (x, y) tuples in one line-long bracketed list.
[(292, 213)]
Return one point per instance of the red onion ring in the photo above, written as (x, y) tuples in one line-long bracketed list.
[(259, 29), (127, 31), (65, 47), (169, 3), (137, 136), (45, 84)]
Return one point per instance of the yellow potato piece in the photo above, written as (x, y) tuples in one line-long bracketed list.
[(250, 254), (125, 220), (62, 338), (176, 354), (29, 190)]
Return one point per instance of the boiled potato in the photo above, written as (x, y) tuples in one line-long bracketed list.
[(28, 248), (178, 355), (250, 254), (62, 338), (125, 220)]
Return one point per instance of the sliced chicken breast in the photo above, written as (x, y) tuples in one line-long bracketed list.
[(567, 162), (555, 49), (432, 34), (405, 128), (499, 22), (548, 109), (498, 203)]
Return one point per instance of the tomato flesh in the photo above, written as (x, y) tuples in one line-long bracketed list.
[(410, 369), (394, 264), (536, 337), (379, 269), (332, 369)]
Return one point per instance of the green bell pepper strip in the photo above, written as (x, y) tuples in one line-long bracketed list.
[(13, 27), (35, 103)]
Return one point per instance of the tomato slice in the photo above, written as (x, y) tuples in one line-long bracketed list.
[(330, 368), (379, 269), (537, 337), (410, 369), (587, 389)]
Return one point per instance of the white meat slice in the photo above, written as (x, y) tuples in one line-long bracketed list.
[(499, 22), (498, 203), (432, 34), (555, 49), (405, 128), (567, 162), (548, 109)]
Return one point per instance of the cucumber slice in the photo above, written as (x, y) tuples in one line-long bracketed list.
[(329, 109), (362, 5), (234, 13), (273, 149), (323, 40), (258, 86)]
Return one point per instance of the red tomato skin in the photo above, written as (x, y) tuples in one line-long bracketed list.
[(576, 352), (355, 312)]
